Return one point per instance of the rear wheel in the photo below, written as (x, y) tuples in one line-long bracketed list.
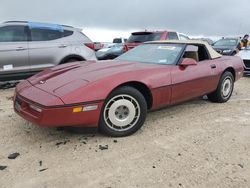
[(224, 89), (124, 112), (71, 60)]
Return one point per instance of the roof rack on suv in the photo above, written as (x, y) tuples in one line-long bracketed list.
[(67, 26), (27, 22), (15, 22)]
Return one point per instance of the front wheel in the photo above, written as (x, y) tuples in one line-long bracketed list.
[(224, 89), (124, 112)]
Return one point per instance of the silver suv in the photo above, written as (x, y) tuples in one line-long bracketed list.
[(29, 47)]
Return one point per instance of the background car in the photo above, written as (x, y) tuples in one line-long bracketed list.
[(245, 56), (136, 39), (119, 40), (29, 47), (108, 45), (116, 95), (226, 46), (140, 37), (110, 52)]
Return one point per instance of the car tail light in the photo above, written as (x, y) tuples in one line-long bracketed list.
[(90, 45), (101, 45), (125, 48)]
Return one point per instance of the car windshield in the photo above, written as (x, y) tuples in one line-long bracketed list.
[(144, 37), (117, 40), (226, 42), (154, 53)]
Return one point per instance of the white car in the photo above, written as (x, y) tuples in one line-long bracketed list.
[(245, 56), (27, 48)]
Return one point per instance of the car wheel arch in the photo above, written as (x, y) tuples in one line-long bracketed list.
[(230, 69), (142, 88), (74, 56)]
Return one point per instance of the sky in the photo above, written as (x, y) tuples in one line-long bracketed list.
[(103, 20)]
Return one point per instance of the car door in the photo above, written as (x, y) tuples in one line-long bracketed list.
[(13, 50), (45, 47), (194, 80)]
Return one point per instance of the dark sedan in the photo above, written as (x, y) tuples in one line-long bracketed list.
[(226, 46)]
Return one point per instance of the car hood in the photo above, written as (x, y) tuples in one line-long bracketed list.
[(244, 54), (75, 75)]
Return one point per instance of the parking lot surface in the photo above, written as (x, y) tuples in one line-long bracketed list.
[(194, 144)]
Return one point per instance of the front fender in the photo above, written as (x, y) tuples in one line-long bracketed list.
[(94, 91)]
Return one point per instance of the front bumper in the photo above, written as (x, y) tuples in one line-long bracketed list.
[(56, 116), (246, 66)]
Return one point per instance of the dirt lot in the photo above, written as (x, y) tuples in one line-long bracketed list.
[(195, 144)]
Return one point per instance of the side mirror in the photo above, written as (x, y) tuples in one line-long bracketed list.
[(188, 62)]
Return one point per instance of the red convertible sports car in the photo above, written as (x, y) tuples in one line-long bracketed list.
[(116, 95)]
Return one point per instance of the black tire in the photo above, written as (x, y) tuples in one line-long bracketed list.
[(218, 95), (128, 107), (234, 53), (71, 60)]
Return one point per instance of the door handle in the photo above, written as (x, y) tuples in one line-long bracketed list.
[(20, 48), (213, 66), (62, 46)]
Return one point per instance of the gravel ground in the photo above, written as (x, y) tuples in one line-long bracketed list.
[(194, 144)]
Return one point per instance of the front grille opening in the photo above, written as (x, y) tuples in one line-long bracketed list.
[(247, 63)]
